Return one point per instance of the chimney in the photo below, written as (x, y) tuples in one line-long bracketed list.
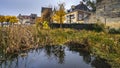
[(73, 7), (81, 2)]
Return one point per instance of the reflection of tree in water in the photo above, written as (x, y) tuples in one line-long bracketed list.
[(96, 62), (8, 60), (56, 51), (13, 60), (82, 52)]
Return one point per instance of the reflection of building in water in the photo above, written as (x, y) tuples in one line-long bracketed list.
[(56, 51), (85, 53), (62, 54)]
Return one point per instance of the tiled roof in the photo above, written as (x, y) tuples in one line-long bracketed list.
[(82, 7), (27, 16)]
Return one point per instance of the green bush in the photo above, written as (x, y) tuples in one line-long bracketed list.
[(114, 31), (99, 27)]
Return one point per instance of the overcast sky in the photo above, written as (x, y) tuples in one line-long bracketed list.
[(26, 7)]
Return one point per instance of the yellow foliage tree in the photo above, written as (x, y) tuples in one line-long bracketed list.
[(59, 15), (38, 21), (13, 19), (2, 19), (7, 18), (45, 25)]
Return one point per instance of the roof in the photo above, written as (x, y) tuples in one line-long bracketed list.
[(27, 16), (81, 7), (46, 8), (80, 11)]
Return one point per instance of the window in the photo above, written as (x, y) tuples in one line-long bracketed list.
[(80, 17), (72, 16)]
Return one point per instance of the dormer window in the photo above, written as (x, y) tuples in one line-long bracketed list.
[(73, 7)]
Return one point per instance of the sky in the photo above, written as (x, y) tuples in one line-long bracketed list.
[(26, 7)]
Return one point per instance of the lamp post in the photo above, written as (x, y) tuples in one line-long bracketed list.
[(105, 15), (70, 17)]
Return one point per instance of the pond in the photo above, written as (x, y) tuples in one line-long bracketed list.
[(54, 57)]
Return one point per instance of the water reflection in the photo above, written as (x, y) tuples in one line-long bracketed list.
[(55, 51), (54, 57), (82, 52)]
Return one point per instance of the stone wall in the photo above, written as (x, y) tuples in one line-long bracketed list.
[(108, 11), (92, 18)]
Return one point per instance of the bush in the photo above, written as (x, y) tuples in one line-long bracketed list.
[(45, 25), (114, 31), (98, 27)]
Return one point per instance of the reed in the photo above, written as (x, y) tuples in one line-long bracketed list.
[(14, 39)]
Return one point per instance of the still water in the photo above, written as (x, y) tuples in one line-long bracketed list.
[(54, 57)]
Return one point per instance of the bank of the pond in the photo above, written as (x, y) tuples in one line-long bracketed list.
[(20, 38)]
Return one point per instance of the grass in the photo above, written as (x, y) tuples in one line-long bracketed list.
[(18, 38)]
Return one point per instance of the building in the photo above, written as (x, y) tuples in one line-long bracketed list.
[(77, 14), (27, 19), (46, 14), (108, 12)]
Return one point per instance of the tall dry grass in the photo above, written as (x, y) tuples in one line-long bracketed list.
[(16, 38)]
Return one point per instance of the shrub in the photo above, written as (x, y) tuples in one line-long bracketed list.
[(114, 31), (98, 27), (45, 25)]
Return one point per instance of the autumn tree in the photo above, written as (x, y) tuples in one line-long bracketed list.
[(7, 18), (2, 19), (38, 21), (59, 15), (13, 19), (98, 1)]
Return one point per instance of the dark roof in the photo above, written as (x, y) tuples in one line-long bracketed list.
[(27, 16), (46, 8), (82, 7)]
